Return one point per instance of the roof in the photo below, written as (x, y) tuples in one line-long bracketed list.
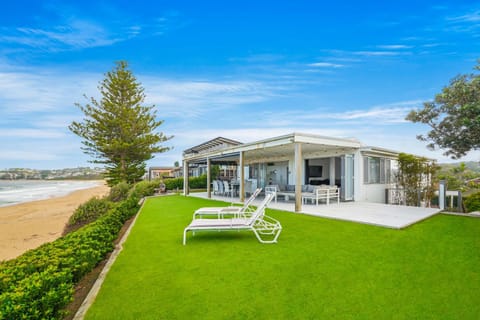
[(369, 150), (212, 145), (279, 147)]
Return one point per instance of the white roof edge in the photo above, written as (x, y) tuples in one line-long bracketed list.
[(395, 153), (282, 140)]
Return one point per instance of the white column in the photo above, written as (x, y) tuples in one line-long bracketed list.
[(332, 171), (242, 177), (298, 177), (185, 178), (209, 189)]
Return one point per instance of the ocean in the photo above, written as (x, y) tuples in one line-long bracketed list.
[(18, 191)]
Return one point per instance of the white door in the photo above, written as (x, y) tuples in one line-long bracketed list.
[(347, 177)]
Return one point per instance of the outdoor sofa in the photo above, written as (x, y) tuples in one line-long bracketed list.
[(309, 192)]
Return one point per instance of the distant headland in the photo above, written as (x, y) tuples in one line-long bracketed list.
[(80, 173)]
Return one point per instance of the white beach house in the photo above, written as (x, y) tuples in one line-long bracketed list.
[(362, 173)]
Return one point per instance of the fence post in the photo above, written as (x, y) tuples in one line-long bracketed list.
[(459, 201), (441, 194)]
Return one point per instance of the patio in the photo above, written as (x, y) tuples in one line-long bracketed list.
[(383, 215)]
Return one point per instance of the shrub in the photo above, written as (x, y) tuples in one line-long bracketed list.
[(144, 189), (198, 182), (90, 211), (39, 283), (194, 182), (472, 202), (119, 192), (173, 184)]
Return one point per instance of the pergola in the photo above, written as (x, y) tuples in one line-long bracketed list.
[(301, 146)]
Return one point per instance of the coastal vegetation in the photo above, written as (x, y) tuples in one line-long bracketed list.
[(40, 283), (118, 131), (88, 212)]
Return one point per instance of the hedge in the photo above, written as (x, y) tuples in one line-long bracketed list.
[(40, 283), (194, 183), (472, 202), (90, 211)]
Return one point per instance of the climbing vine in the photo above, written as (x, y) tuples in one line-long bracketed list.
[(416, 175)]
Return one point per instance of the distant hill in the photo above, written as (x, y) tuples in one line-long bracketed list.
[(471, 165), (80, 173)]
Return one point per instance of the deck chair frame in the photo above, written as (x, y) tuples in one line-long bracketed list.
[(235, 211), (261, 225)]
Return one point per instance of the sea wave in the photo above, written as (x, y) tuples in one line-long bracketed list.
[(19, 191)]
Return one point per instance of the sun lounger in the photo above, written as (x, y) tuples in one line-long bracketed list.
[(265, 228), (235, 211)]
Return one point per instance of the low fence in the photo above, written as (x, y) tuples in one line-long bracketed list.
[(453, 199)]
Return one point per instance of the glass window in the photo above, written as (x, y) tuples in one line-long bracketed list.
[(373, 170)]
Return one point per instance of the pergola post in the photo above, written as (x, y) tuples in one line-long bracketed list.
[(185, 178), (298, 177), (242, 177), (209, 189), (332, 171)]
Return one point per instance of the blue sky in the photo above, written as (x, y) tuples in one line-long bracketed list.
[(245, 70)]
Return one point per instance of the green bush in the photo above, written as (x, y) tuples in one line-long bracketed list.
[(144, 189), (39, 283), (119, 192), (198, 182), (472, 202), (40, 296), (173, 184), (194, 183), (90, 211)]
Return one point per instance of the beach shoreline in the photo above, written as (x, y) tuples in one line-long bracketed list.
[(27, 225)]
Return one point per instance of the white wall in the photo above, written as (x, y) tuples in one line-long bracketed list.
[(374, 192), (325, 163)]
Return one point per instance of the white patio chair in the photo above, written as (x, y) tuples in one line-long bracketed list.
[(272, 189), (220, 187), (235, 211), (265, 228), (215, 187), (226, 189)]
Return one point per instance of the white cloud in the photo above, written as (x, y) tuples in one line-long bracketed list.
[(30, 133), (41, 91), (326, 65), (19, 155), (469, 17), (378, 53), (192, 98), (394, 46), (74, 34)]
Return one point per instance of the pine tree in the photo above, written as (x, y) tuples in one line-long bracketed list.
[(119, 131)]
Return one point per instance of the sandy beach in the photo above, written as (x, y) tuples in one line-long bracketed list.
[(28, 225)]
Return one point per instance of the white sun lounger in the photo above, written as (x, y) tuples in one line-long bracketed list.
[(265, 228), (235, 211)]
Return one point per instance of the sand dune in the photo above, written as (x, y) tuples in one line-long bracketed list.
[(28, 225)]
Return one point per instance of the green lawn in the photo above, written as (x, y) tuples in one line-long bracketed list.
[(319, 269)]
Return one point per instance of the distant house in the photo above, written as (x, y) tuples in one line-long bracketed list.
[(474, 181), (362, 173), (163, 172)]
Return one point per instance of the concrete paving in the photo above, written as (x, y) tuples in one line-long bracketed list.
[(384, 215)]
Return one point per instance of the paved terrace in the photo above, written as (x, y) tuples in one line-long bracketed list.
[(384, 215)]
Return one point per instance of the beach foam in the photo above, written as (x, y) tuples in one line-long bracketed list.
[(19, 191)]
